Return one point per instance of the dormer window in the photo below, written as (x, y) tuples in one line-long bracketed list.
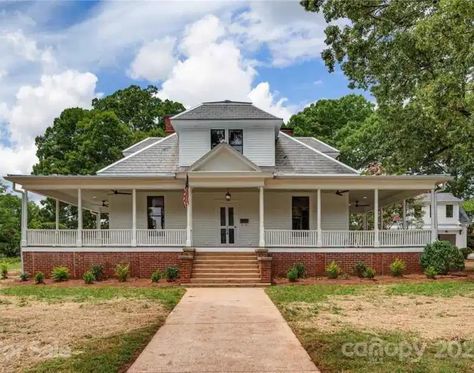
[(234, 138)]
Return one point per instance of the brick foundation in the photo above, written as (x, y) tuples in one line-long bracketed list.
[(315, 263), (142, 264)]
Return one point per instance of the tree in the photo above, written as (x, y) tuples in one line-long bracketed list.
[(417, 59)]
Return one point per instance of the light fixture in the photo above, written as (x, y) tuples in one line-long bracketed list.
[(228, 196)]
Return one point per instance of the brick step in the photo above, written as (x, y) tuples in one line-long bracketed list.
[(225, 275), (225, 285), (233, 253), (225, 270), (226, 280), (225, 261), (225, 257)]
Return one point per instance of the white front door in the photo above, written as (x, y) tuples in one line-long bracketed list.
[(227, 228)]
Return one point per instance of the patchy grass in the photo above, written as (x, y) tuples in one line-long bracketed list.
[(410, 316), (14, 264), (169, 297)]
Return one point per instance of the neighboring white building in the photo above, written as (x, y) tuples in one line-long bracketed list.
[(452, 219)]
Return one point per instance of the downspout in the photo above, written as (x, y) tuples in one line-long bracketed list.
[(22, 192)]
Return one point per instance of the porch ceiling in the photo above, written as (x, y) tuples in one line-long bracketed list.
[(359, 198)]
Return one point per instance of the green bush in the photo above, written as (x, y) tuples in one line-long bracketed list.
[(466, 251), (430, 272), (98, 272), (333, 270), (3, 271), (122, 272), (60, 274), (398, 267), (292, 274), (300, 269), (88, 277), (156, 276), (39, 278), (443, 257), (369, 273), (24, 276), (360, 268), (171, 273)]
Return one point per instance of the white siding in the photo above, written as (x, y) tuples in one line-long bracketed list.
[(193, 144), (259, 146)]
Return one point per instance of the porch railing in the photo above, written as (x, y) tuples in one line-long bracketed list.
[(348, 238), (162, 237), (51, 237), (293, 238), (106, 237), (407, 237)]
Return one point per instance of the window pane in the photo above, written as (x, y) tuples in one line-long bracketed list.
[(217, 137), (449, 211), (231, 235), (156, 212), (236, 140), (223, 235), (223, 217), (300, 213), (231, 216)]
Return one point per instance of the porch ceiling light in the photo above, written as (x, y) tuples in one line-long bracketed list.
[(228, 196)]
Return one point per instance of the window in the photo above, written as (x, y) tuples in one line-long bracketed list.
[(300, 213), (156, 212), (217, 137), (236, 140), (449, 211)]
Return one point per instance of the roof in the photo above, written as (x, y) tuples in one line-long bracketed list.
[(225, 110), (442, 197), (159, 157), (319, 145), (292, 156), (140, 145)]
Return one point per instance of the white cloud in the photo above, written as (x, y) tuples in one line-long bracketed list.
[(154, 61), (201, 34), (26, 48), (18, 160), (265, 100)]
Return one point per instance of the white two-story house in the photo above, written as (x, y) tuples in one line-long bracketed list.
[(228, 184)]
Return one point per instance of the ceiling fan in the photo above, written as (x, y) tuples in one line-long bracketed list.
[(357, 204), (105, 203), (115, 192), (341, 192)]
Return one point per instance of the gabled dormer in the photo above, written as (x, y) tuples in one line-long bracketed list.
[(246, 128)]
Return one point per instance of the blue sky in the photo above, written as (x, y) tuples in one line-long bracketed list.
[(61, 54)]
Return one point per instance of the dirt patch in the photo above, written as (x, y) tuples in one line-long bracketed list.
[(429, 317), (31, 331)]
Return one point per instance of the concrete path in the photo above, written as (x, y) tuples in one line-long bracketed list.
[(224, 330)]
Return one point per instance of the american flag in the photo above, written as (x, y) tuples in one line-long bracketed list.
[(186, 193)]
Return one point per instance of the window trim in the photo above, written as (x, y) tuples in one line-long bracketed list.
[(226, 137), (309, 211), (452, 211), (149, 198)]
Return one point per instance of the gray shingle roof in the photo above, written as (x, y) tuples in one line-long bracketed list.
[(159, 157), (442, 197), (319, 145), (225, 110), (140, 145), (292, 157)]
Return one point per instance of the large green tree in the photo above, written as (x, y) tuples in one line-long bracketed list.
[(417, 59)]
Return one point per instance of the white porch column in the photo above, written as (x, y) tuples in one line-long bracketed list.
[(24, 218), (261, 217), (189, 219), (98, 221), (434, 216), (134, 217), (404, 214), (381, 218), (364, 221), (79, 218), (57, 214), (376, 218), (318, 217)]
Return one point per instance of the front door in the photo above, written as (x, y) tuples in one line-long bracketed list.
[(227, 225)]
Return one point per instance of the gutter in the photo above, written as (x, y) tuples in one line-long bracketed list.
[(23, 196)]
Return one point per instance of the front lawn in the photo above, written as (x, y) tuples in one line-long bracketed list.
[(403, 327), (79, 329)]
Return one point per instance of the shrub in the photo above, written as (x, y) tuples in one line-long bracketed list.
[(398, 267), (98, 272), (430, 272), (333, 270), (300, 269), (292, 274), (24, 276), (369, 273), (466, 251), (156, 276), (443, 257), (3, 271), (171, 273), (39, 278), (60, 274), (122, 271), (360, 268), (88, 277)]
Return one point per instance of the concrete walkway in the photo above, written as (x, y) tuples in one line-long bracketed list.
[(224, 330)]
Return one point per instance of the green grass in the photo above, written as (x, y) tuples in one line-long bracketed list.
[(310, 293), (168, 296), (111, 354), (433, 288), (14, 264)]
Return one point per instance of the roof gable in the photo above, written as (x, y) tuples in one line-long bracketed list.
[(224, 158)]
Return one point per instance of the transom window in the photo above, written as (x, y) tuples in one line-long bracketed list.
[(300, 213), (234, 138), (449, 211), (156, 212)]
